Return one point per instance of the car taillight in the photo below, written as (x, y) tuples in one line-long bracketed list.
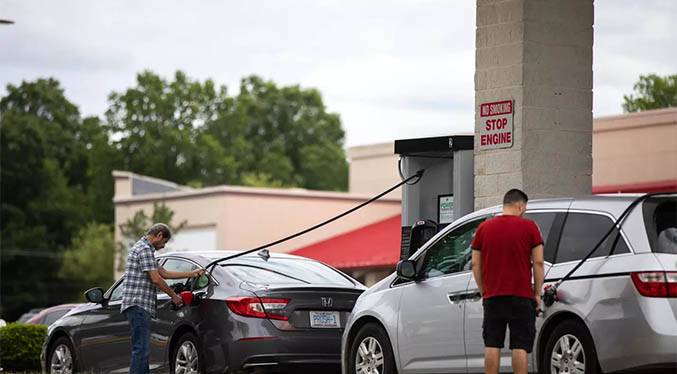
[(655, 283), (671, 279), (259, 308)]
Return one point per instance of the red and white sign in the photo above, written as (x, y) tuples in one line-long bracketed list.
[(496, 129)]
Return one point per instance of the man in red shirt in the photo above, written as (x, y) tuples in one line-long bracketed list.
[(505, 249)]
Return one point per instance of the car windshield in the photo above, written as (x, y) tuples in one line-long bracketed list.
[(285, 271)]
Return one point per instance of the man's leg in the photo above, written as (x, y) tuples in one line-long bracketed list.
[(492, 359), (522, 333), (519, 361), (493, 332), (139, 324)]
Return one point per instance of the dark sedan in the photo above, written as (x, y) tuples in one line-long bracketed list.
[(252, 313)]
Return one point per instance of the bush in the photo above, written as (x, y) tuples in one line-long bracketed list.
[(20, 346)]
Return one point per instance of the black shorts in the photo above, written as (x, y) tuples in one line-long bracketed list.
[(519, 313)]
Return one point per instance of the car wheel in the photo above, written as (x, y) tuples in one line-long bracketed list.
[(61, 359), (371, 352), (569, 350), (186, 357)]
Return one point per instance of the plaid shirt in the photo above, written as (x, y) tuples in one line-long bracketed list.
[(137, 289)]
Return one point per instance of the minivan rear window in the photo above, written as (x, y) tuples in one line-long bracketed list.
[(582, 231), (660, 219), (285, 271)]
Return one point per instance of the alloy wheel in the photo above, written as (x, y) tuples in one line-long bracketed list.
[(62, 360), (186, 359), (369, 358), (568, 356)]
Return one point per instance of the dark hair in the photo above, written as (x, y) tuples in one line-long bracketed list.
[(160, 227), (514, 196)]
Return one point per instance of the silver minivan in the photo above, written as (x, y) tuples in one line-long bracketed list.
[(617, 312)]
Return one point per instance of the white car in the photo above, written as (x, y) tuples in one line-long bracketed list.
[(617, 312)]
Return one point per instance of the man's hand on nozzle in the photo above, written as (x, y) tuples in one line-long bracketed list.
[(177, 300), (198, 272)]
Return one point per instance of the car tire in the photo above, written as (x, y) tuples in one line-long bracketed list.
[(61, 358), (569, 347), (371, 350), (187, 356)]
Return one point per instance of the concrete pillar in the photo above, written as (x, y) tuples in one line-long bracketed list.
[(537, 53)]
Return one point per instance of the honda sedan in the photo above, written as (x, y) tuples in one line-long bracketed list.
[(263, 312)]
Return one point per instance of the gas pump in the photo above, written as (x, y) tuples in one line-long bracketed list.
[(444, 194)]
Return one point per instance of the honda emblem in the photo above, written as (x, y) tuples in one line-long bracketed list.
[(327, 301)]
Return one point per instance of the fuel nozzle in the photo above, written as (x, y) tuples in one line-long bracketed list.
[(550, 294)]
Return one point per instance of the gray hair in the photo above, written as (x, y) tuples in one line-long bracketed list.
[(160, 227)]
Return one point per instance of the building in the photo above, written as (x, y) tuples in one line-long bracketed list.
[(241, 218)]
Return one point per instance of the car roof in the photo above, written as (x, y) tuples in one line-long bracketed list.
[(218, 254), (612, 203)]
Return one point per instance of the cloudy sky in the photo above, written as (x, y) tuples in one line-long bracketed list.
[(392, 69)]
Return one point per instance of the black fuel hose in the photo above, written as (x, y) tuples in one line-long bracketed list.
[(418, 175), (550, 293)]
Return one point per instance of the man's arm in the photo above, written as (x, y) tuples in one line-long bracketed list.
[(477, 268), (537, 263), (166, 274), (160, 283)]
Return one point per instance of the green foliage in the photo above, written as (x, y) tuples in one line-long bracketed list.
[(192, 133), (89, 261), (652, 92), (137, 226), (20, 346), (43, 190)]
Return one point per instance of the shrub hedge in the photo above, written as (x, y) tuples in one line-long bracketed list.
[(20, 346)]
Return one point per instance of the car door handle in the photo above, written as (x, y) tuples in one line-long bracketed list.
[(455, 297)]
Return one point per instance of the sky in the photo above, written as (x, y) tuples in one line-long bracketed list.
[(392, 69)]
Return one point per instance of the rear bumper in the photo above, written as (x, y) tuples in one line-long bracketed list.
[(298, 349), (644, 337)]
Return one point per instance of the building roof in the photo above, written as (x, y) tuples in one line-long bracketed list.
[(374, 245)]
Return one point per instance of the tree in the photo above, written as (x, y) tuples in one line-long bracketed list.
[(193, 133), (89, 260), (43, 186), (157, 122), (652, 92), (280, 124), (136, 227)]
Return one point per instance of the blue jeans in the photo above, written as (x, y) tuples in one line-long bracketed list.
[(139, 324)]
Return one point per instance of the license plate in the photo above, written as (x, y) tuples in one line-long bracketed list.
[(325, 320)]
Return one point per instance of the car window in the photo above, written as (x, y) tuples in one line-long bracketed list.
[(285, 270), (262, 276), (661, 224), (582, 231), (53, 316), (117, 292), (174, 264), (544, 221), (451, 253)]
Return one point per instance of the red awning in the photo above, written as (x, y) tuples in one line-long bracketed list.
[(375, 245)]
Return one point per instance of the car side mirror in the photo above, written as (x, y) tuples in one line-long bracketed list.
[(406, 269), (94, 295)]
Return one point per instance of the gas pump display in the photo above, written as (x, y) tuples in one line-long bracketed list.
[(415, 236)]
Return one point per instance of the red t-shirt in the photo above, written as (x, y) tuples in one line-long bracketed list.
[(505, 243)]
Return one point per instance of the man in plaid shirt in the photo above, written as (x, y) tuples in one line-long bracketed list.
[(139, 291)]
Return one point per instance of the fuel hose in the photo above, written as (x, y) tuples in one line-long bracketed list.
[(550, 293), (415, 178)]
